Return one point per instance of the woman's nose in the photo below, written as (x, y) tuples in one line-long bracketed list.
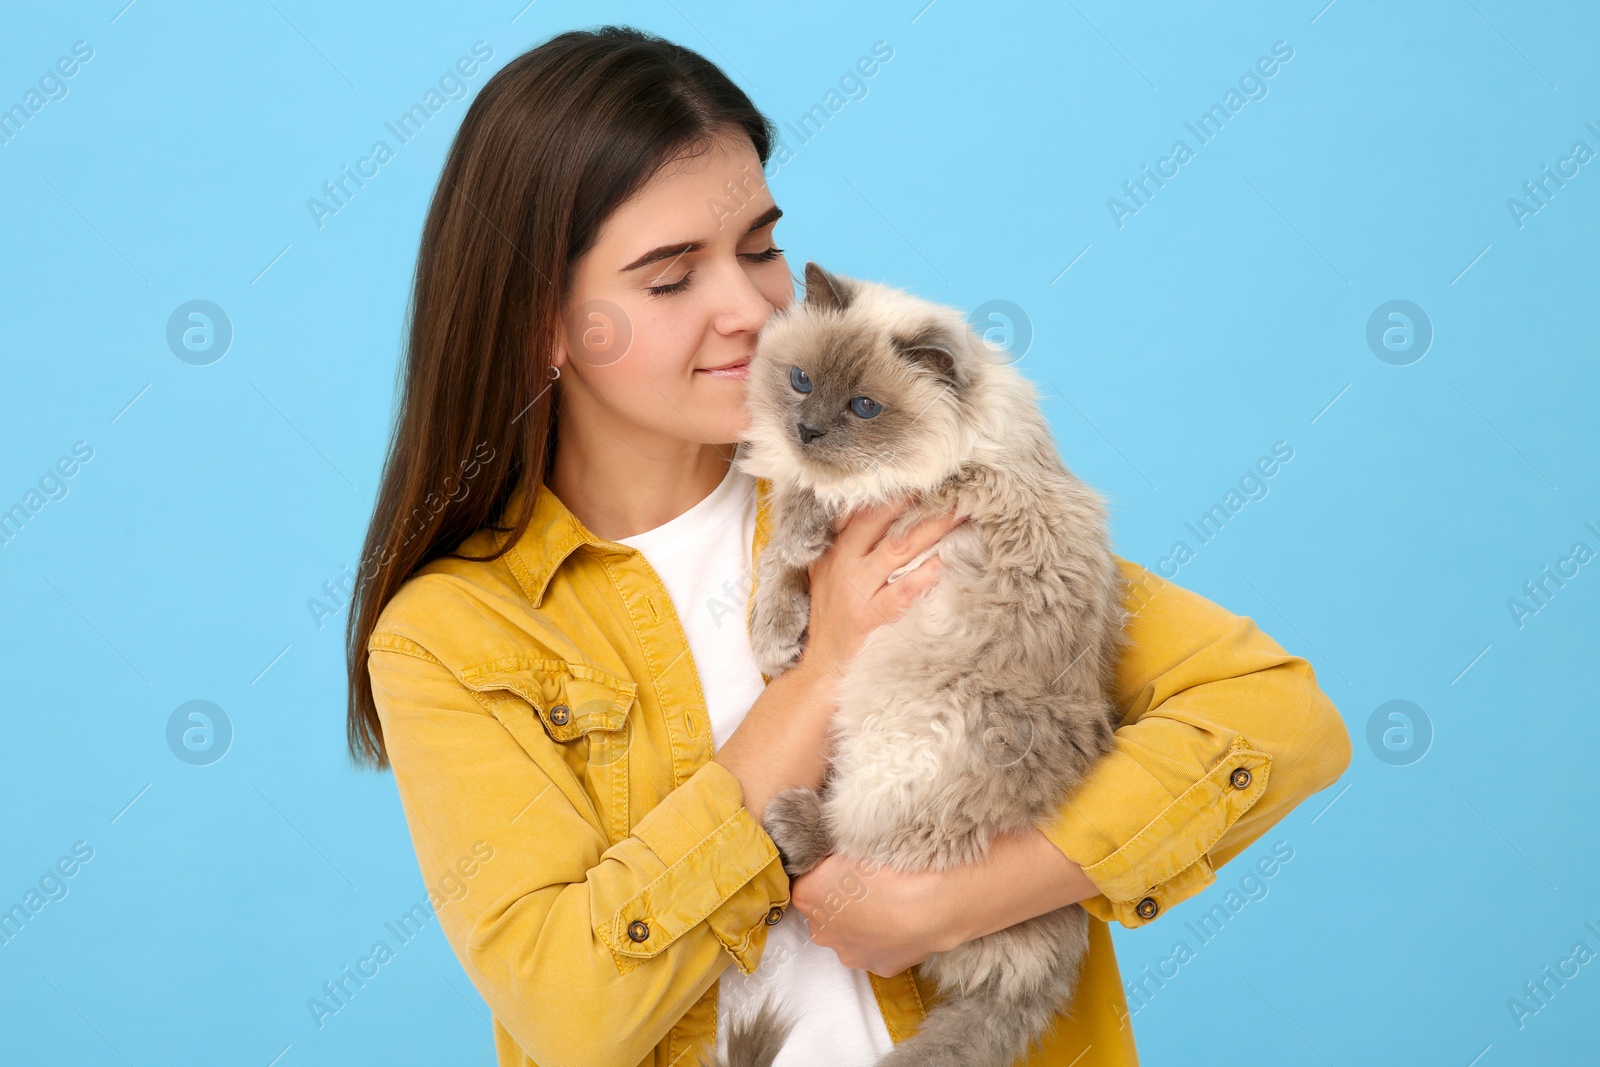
[(744, 307)]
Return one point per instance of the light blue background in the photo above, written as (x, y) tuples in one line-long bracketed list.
[(1229, 313)]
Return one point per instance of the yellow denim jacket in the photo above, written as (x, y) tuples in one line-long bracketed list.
[(543, 711)]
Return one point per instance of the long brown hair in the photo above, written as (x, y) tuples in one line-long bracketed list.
[(553, 143)]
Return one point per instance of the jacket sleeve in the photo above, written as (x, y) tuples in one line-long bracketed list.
[(542, 927), (1223, 733)]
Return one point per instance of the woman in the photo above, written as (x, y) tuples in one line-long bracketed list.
[(549, 647)]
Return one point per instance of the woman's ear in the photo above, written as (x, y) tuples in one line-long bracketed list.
[(558, 346)]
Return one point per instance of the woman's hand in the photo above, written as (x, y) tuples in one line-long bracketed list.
[(882, 920), (850, 592), (874, 917)]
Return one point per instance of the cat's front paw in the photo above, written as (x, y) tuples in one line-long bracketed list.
[(775, 659), (778, 631), (794, 821)]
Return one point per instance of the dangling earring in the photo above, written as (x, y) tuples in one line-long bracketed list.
[(555, 372)]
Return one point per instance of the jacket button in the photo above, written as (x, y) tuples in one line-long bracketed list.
[(638, 931), (1240, 778), (558, 715), (1147, 908), (773, 915)]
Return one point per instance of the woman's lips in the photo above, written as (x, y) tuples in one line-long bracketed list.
[(737, 372)]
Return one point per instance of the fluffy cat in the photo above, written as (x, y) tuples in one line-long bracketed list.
[(979, 709)]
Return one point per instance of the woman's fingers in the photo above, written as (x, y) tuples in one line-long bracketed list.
[(858, 531), (896, 597), (892, 553), (850, 593)]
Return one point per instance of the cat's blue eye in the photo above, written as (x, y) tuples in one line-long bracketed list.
[(865, 406), (799, 379)]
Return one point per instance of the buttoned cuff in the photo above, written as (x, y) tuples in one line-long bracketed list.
[(1166, 861), (717, 865)]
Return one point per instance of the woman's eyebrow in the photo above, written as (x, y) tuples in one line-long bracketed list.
[(766, 218)]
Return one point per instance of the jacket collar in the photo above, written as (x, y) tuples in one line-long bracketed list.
[(554, 533)]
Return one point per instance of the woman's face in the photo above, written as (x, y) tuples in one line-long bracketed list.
[(679, 282)]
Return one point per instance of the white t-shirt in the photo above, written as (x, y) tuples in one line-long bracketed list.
[(704, 558)]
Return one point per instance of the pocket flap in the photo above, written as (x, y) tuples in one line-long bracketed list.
[(570, 699)]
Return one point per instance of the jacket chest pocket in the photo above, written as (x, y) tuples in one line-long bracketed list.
[(576, 716)]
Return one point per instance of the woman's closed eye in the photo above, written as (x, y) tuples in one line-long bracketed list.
[(764, 256)]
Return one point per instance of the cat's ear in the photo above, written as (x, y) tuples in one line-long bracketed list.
[(824, 291), (935, 349)]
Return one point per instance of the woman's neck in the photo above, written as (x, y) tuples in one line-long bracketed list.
[(618, 492)]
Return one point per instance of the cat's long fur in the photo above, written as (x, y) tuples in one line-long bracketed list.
[(981, 707)]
